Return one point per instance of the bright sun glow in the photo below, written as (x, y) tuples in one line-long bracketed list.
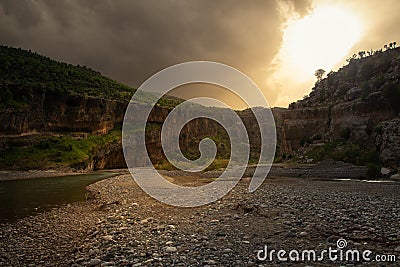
[(320, 40)]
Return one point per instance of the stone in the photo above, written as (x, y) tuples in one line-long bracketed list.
[(236, 216), (93, 252), (385, 171), (353, 93), (144, 221), (200, 230), (93, 262), (171, 249), (395, 177), (171, 226), (107, 237), (303, 234)]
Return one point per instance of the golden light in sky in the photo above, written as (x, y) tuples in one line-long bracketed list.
[(320, 40)]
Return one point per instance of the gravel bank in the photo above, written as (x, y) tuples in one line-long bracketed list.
[(122, 226)]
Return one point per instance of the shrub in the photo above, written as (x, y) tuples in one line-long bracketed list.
[(365, 90), (218, 164), (164, 165), (305, 140), (342, 89), (367, 70), (378, 129), (379, 81), (345, 134), (352, 153), (392, 94), (372, 170), (385, 64)]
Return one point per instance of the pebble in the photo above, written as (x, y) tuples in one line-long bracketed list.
[(303, 234), (93, 262), (107, 237), (236, 216), (171, 226), (154, 234), (171, 249)]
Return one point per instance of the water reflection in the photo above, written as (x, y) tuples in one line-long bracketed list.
[(20, 198)]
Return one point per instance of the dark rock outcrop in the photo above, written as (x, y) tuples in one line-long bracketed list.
[(350, 104), (62, 113)]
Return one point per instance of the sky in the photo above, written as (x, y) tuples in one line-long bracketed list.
[(277, 43)]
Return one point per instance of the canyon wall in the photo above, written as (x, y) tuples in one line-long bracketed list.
[(356, 104), (62, 113)]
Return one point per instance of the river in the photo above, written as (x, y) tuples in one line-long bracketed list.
[(20, 198)]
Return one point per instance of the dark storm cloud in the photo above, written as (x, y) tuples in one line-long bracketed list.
[(131, 40)]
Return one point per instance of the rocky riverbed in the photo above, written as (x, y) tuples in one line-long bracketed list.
[(122, 226)]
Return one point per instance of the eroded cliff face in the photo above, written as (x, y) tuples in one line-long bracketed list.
[(52, 115), (196, 130), (62, 113), (348, 104), (109, 156), (331, 122)]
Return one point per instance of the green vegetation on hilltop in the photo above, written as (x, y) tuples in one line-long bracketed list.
[(363, 54), (23, 71)]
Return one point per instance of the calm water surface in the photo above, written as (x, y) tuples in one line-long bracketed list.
[(20, 198)]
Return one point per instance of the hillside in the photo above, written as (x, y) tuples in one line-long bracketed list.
[(352, 115), (375, 76), (23, 72)]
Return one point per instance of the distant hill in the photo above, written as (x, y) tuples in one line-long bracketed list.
[(363, 78), (23, 72), (352, 115)]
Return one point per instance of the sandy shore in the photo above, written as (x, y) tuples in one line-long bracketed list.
[(123, 226)]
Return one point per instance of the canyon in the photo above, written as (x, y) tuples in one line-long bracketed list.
[(357, 105)]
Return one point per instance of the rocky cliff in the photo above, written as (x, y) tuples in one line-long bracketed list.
[(62, 113), (81, 117), (351, 105)]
